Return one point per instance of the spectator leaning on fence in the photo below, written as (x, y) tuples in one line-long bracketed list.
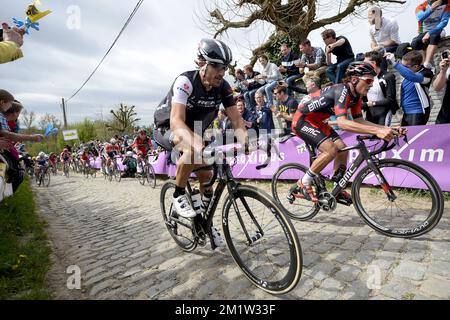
[(443, 80), (415, 100), (433, 16), (12, 116), (383, 33), (271, 75), (341, 48), (381, 102), (6, 102)]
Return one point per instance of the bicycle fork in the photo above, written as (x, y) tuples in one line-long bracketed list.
[(251, 239), (372, 163)]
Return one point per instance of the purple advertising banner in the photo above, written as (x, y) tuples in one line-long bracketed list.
[(428, 147)]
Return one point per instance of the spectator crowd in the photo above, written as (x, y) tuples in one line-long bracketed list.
[(268, 99)]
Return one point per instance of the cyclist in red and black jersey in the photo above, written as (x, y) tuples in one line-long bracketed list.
[(309, 123), (142, 144)]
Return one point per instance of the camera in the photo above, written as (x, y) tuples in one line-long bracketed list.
[(445, 55)]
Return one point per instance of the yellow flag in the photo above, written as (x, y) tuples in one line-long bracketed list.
[(34, 14)]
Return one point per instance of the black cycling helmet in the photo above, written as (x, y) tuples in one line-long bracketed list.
[(214, 52), (360, 68)]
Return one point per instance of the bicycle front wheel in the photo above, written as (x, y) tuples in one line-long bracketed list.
[(407, 202), (46, 179), (151, 177), (294, 206), (181, 232), (262, 240), (141, 175), (117, 174)]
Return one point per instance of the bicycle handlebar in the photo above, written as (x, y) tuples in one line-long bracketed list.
[(217, 154), (387, 145)]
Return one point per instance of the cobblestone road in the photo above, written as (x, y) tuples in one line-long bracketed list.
[(114, 233)]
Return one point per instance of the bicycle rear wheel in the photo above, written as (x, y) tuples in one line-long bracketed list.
[(295, 207), (86, 172), (180, 232), (151, 177), (272, 259), (416, 203)]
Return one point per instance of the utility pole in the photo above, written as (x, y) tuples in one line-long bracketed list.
[(64, 113)]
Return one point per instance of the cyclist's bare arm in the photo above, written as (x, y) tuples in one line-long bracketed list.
[(184, 138), (360, 125)]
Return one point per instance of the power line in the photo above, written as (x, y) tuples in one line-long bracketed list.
[(136, 8)]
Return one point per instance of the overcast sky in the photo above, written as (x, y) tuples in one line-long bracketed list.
[(159, 44)]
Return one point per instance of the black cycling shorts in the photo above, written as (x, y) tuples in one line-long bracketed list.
[(112, 154), (315, 135), (164, 138), (417, 43)]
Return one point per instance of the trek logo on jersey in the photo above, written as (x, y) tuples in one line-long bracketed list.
[(343, 95), (314, 105), (185, 88)]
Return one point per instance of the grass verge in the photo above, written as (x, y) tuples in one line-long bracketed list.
[(24, 250)]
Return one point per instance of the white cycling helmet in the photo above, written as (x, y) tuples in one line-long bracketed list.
[(113, 141), (41, 154), (129, 154)]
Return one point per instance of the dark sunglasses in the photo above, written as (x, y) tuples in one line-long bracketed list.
[(219, 66)]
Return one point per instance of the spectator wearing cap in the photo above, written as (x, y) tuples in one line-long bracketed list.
[(433, 16), (415, 100), (270, 75), (381, 101), (285, 108), (287, 66), (383, 33), (341, 48), (443, 80)]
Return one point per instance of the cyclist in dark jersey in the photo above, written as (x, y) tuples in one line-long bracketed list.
[(309, 124), (190, 107)]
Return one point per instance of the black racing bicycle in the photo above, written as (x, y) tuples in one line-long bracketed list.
[(260, 237), (395, 197), (146, 172), (88, 170), (43, 176)]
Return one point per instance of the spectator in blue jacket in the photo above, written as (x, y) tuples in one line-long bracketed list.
[(414, 98)]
